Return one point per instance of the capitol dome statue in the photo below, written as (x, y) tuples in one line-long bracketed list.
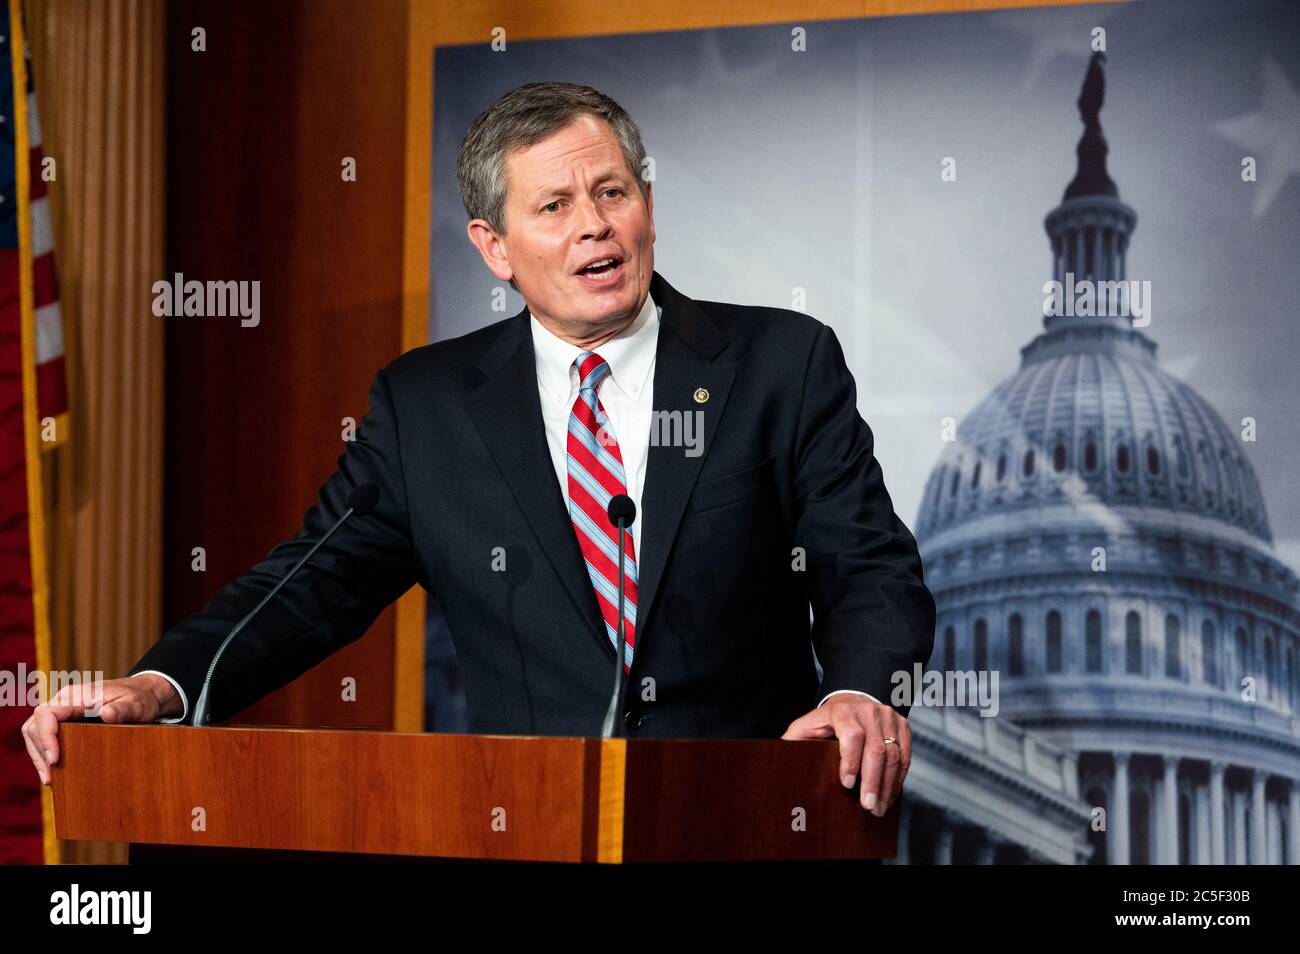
[(1096, 534)]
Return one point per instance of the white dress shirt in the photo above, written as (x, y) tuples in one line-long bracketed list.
[(626, 394)]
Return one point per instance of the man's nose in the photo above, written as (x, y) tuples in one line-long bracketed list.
[(593, 220)]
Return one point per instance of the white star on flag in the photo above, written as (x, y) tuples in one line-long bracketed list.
[(1271, 135)]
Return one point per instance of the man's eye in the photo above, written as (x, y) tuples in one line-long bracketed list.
[(614, 189), (547, 207)]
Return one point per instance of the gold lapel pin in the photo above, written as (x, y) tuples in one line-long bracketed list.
[(701, 395)]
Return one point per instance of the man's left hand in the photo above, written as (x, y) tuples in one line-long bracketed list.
[(862, 726)]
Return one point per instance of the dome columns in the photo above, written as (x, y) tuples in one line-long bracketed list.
[(1118, 851), (1089, 238), (1231, 810), (1258, 817), (1218, 840), (1293, 822), (1169, 811)]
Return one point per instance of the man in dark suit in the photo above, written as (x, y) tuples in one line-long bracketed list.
[(733, 429)]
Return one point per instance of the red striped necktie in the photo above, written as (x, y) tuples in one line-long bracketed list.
[(596, 474)]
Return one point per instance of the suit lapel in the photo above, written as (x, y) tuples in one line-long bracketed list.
[(688, 342), (507, 411)]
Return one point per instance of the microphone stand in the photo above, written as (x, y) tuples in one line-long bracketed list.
[(610, 728)]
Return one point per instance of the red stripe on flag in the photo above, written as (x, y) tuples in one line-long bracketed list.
[(45, 280), (38, 187), (51, 388)]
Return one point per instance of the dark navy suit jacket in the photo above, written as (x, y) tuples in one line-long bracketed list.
[(725, 647)]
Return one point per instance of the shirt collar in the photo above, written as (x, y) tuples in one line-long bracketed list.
[(630, 354)]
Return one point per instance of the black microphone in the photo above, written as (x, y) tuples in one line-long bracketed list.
[(621, 513), (361, 501)]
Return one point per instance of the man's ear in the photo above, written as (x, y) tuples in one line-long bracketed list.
[(491, 248)]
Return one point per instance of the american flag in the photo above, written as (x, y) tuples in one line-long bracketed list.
[(52, 391), (33, 395)]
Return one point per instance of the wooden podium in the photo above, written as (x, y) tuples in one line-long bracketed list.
[(486, 797)]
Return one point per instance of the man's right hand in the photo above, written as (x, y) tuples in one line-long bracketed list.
[(144, 698)]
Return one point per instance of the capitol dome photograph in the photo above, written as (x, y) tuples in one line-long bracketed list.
[(1096, 534)]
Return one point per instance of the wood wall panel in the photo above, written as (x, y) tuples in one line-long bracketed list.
[(258, 125)]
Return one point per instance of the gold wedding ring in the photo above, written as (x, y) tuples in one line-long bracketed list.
[(890, 740)]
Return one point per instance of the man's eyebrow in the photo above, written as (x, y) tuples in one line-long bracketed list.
[(565, 190)]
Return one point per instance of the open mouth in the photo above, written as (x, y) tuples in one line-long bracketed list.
[(601, 270)]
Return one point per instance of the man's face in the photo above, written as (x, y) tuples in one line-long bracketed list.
[(571, 200)]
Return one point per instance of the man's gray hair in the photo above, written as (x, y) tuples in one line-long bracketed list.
[(524, 117)]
